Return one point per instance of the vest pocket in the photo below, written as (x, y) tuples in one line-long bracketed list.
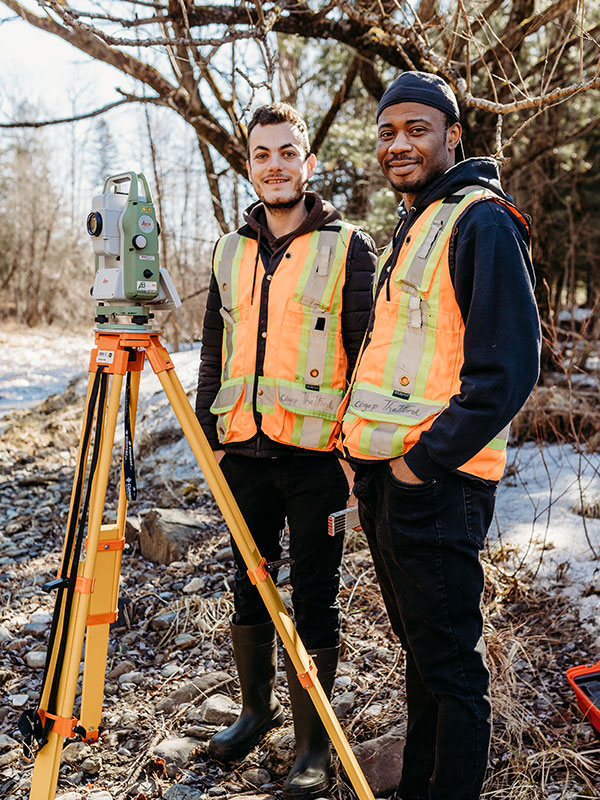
[(300, 416), (377, 421), (226, 405), (235, 337), (382, 405), (296, 398)]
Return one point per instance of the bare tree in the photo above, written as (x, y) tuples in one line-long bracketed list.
[(507, 61)]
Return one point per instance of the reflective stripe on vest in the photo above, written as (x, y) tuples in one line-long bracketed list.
[(304, 369), (411, 367)]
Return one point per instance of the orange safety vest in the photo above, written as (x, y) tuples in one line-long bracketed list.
[(410, 365), (305, 365)]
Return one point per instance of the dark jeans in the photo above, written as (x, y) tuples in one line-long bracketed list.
[(425, 541), (305, 489)]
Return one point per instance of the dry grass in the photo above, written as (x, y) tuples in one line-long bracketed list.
[(541, 749)]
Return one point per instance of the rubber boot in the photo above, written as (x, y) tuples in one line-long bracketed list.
[(311, 774), (255, 652)]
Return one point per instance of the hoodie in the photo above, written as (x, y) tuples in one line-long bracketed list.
[(356, 305), (493, 280)]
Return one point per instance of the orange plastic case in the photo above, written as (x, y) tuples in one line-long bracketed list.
[(586, 684)]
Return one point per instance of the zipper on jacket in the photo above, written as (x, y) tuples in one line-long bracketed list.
[(263, 323)]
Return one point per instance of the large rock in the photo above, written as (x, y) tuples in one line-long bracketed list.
[(381, 761), (133, 529), (75, 752), (202, 686), (120, 669), (35, 659), (219, 709), (177, 753), (343, 704), (167, 534), (256, 776), (6, 742)]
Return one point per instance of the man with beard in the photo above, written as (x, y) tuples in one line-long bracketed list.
[(287, 308), (451, 354)]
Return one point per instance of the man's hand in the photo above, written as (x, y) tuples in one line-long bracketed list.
[(402, 472), (349, 473), (219, 455)]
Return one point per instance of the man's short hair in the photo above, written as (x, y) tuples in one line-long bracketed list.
[(275, 114)]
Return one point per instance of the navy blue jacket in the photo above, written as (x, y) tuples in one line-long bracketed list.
[(494, 281)]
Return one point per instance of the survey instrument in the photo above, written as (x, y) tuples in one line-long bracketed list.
[(88, 580)]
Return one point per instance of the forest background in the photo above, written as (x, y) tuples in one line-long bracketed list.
[(527, 77), (526, 74)]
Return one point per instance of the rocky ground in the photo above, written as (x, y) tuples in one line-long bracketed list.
[(170, 679)]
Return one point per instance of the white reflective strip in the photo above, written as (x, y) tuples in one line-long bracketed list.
[(503, 435), (228, 343), (380, 440), (324, 260), (409, 358), (415, 316), (310, 436), (317, 281), (225, 269), (316, 356), (418, 265), (416, 270)]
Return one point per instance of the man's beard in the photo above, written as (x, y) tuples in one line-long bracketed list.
[(410, 185), (283, 205), (298, 191)]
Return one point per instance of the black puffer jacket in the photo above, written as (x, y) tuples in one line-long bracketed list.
[(356, 304)]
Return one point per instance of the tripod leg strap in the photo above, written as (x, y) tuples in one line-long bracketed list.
[(128, 459), (37, 724)]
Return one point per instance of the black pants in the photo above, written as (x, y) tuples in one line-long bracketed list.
[(425, 541), (305, 489)]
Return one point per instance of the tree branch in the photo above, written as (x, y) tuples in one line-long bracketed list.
[(205, 125), (513, 39), (544, 148), (340, 98), (79, 117)]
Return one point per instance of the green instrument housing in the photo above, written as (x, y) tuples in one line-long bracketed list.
[(124, 232)]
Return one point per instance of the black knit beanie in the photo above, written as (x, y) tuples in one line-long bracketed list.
[(420, 87)]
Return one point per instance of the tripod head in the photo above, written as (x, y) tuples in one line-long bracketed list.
[(129, 280)]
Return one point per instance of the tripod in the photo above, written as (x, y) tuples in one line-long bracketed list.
[(88, 582)]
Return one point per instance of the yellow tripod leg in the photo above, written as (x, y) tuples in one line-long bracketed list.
[(302, 662), (103, 610), (47, 762), (104, 601)]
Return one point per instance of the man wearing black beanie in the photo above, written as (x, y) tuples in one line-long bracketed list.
[(450, 356)]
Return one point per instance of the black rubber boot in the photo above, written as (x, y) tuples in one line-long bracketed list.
[(311, 774), (255, 652)]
